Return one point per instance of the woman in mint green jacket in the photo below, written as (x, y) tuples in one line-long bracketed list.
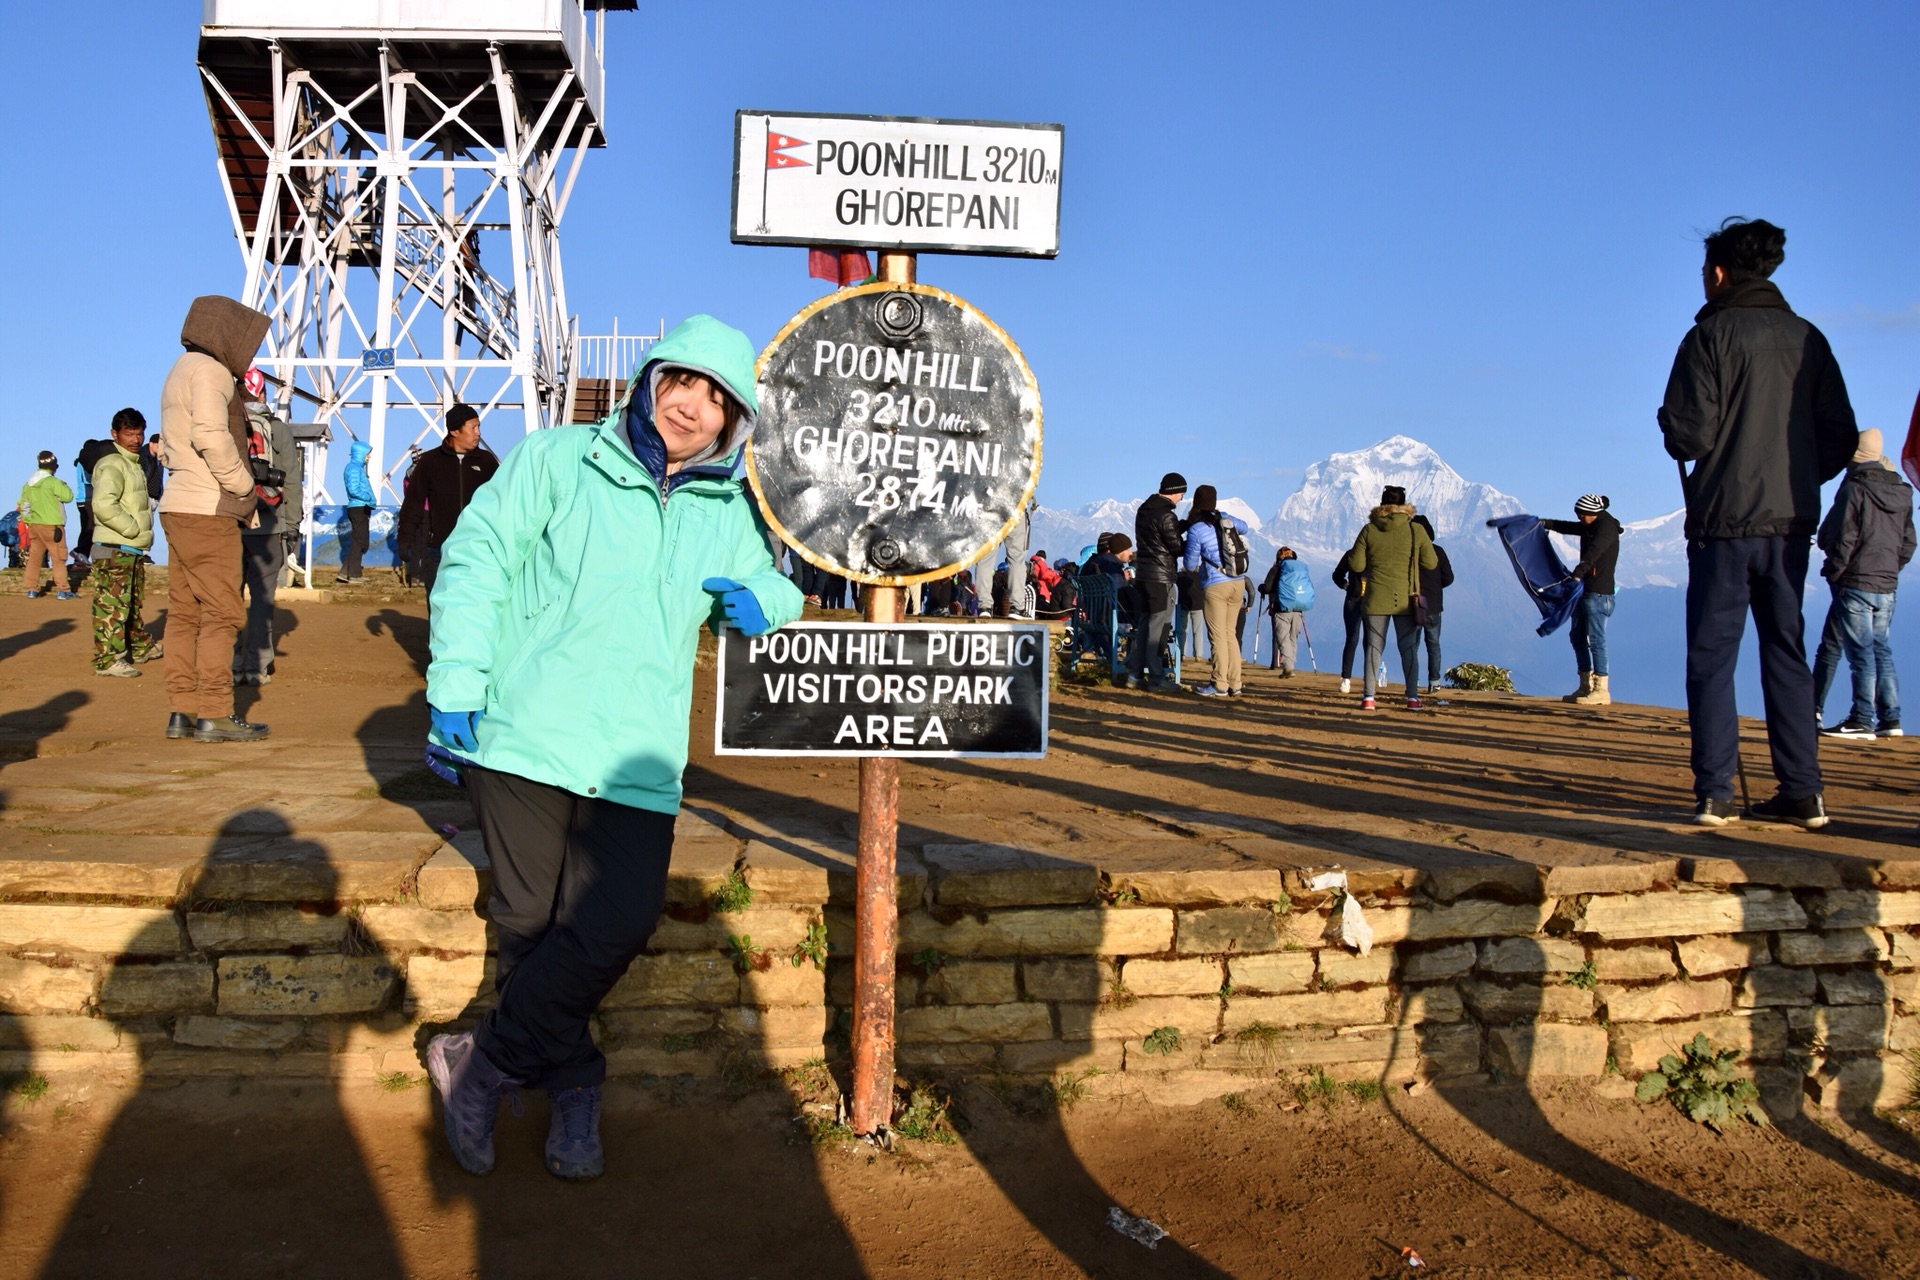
[(564, 623)]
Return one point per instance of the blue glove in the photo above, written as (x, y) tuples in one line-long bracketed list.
[(742, 610), (458, 729)]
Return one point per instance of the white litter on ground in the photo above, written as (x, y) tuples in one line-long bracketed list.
[(1147, 1233), (1355, 932)]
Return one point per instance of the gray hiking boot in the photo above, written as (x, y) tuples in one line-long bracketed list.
[(573, 1135), (227, 729), (471, 1090), (120, 667)]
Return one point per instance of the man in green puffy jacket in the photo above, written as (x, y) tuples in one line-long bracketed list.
[(1391, 550), (564, 624), (43, 525), (122, 536)]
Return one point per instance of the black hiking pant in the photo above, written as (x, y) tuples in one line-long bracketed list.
[(1727, 578), (578, 884)]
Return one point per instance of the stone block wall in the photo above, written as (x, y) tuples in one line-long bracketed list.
[(1018, 963)]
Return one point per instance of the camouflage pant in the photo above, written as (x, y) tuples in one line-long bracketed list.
[(119, 587)]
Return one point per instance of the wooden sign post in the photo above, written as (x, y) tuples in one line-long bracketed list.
[(898, 439)]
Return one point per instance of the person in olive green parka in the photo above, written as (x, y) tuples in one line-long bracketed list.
[(1391, 550), (565, 620)]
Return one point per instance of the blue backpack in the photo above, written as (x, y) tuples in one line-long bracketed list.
[(1294, 593)]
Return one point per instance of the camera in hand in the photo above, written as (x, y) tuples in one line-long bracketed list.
[(266, 474)]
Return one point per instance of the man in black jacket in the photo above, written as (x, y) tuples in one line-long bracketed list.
[(1158, 545), (1599, 535), (443, 483), (1868, 537), (1756, 402)]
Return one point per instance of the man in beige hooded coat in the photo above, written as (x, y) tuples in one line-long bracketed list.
[(209, 496)]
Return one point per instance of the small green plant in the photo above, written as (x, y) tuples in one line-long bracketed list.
[(1119, 996), (1585, 977), (67, 1046), (1125, 897), (825, 1131), (1703, 1085), (1259, 1041), (1163, 1041), (397, 1081), (1364, 1090), (1283, 905), (30, 1087), (928, 962), (746, 956), (1064, 1091), (733, 896), (1317, 1087), (1226, 989), (811, 1080), (812, 947), (1481, 675), (924, 1117), (740, 1073), (688, 1041), (1236, 1103)]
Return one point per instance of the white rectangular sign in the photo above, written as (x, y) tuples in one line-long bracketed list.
[(895, 182)]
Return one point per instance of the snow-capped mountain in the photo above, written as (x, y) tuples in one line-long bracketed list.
[(1339, 492)]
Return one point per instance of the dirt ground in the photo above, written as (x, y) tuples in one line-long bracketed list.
[(106, 1177)]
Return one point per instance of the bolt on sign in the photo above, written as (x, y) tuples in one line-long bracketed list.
[(897, 182), (854, 689), (898, 436)]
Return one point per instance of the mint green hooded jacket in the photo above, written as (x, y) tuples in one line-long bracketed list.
[(568, 605)]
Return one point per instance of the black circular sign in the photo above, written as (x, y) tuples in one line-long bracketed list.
[(898, 436)]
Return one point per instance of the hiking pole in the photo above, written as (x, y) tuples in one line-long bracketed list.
[(1739, 756), (1308, 637)]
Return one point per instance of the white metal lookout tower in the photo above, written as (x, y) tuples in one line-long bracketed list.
[(397, 171)]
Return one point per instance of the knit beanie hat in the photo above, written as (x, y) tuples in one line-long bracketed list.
[(1591, 504), (1119, 542), (1393, 496), (1173, 482), (1869, 447), (1103, 544)]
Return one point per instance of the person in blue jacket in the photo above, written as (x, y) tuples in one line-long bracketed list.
[(564, 626), (359, 511), (1289, 591), (1216, 554)]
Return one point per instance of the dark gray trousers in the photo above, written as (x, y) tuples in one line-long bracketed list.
[(578, 884)]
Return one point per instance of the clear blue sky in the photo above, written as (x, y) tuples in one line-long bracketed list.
[(1287, 229)]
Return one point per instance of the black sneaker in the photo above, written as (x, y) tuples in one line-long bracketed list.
[(1852, 730), (179, 725), (1808, 812), (1891, 729), (1711, 812)]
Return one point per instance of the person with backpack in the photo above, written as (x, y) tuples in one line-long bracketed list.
[(1599, 534), (1392, 550), (1216, 555), (266, 543), (1288, 590), (83, 462), (43, 522), (1433, 587), (565, 624)]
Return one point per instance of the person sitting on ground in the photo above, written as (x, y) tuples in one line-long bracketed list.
[(1433, 599), (1288, 590), (122, 536), (1391, 550), (1044, 578), (634, 532), (43, 519), (1869, 538), (1599, 534), (1216, 552)]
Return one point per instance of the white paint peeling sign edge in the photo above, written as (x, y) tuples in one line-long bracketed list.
[(897, 182)]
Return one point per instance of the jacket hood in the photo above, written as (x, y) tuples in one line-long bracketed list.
[(1384, 513), (1882, 487), (707, 346), (225, 330), (1748, 293), (358, 452)]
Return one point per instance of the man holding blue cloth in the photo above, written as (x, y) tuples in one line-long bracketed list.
[(564, 625)]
